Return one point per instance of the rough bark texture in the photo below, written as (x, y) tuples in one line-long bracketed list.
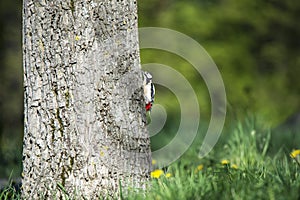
[(84, 109)]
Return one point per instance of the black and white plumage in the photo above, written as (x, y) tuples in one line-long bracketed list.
[(149, 90)]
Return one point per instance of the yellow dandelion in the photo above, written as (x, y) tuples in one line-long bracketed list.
[(168, 175), (224, 162), (199, 167), (295, 153), (234, 166), (154, 162), (157, 173)]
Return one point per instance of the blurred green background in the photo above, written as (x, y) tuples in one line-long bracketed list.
[(255, 44), (11, 87)]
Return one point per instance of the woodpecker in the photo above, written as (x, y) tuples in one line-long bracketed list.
[(149, 90)]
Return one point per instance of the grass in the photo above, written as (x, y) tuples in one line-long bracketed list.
[(10, 192), (244, 165)]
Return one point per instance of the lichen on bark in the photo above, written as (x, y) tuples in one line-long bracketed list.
[(84, 115)]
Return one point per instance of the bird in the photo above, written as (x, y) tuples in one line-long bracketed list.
[(149, 90)]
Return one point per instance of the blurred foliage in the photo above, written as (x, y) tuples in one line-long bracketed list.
[(11, 89), (254, 43)]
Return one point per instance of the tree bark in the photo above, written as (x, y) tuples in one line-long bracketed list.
[(84, 123)]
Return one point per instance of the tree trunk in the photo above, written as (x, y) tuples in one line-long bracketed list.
[(85, 128)]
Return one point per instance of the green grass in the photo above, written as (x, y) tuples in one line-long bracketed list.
[(255, 169), (9, 193)]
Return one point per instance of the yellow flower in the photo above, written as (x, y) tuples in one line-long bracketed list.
[(199, 167), (168, 175), (224, 162), (157, 173), (154, 162), (234, 166), (295, 153)]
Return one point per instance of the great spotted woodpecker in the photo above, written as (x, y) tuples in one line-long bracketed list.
[(149, 90)]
